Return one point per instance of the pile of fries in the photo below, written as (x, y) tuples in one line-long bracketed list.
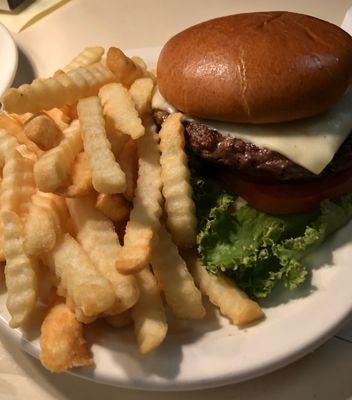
[(94, 195)]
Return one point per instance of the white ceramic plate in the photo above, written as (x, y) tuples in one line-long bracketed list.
[(9, 59), (213, 352)]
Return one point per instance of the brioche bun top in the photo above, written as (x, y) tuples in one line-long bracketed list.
[(263, 67)]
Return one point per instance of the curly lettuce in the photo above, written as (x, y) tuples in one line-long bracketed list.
[(257, 249)]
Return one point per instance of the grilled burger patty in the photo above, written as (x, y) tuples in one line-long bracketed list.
[(254, 161)]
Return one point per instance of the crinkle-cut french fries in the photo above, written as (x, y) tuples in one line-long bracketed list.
[(81, 178), (170, 270), (87, 56), (15, 128), (141, 92), (148, 314), (124, 69), (119, 110), (52, 170), (8, 144), (128, 160), (45, 94), (62, 344), (20, 271), (223, 293), (120, 320), (61, 117), (43, 131), (56, 207), (39, 231), (177, 190), (113, 206), (97, 236), (79, 279), (17, 185), (144, 217), (107, 175)]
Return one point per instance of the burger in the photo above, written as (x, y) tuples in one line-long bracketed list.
[(267, 124)]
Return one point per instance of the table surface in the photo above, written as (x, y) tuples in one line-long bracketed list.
[(46, 45)]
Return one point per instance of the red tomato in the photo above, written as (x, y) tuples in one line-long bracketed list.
[(288, 197)]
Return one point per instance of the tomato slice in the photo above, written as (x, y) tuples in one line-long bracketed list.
[(288, 197)]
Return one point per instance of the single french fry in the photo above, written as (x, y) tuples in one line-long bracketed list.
[(107, 175), (223, 293), (20, 271), (96, 234), (62, 344), (8, 144), (17, 185), (144, 217), (177, 190), (113, 206), (45, 94), (81, 178), (78, 278), (52, 170), (171, 272), (120, 320), (141, 92), (119, 110), (128, 160), (39, 231), (56, 207), (124, 69), (87, 56), (45, 223), (43, 131), (148, 314)]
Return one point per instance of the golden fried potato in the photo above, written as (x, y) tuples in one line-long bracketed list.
[(20, 272), (62, 344), (124, 69), (144, 218), (177, 190), (119, 110), (97, 236), (52, 170), (87, 56), (62, 89), (223, 293), (79, 279), (171, 272), (43, 131), (148, 314), (107, 175)]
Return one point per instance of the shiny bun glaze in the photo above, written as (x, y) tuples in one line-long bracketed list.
[(265, 67)]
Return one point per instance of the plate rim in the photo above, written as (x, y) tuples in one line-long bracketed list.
[(11, 68)]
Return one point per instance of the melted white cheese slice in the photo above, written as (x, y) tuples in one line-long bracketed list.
[(310, 143)]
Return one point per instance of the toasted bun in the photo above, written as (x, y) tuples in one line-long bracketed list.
[(256, 68)]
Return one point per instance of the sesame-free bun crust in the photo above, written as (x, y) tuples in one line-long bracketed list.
[(256, 68)]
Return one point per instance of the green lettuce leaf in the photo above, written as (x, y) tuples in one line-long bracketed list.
[(257, 249)]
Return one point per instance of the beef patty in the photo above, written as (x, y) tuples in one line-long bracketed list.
[(249, 159)]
